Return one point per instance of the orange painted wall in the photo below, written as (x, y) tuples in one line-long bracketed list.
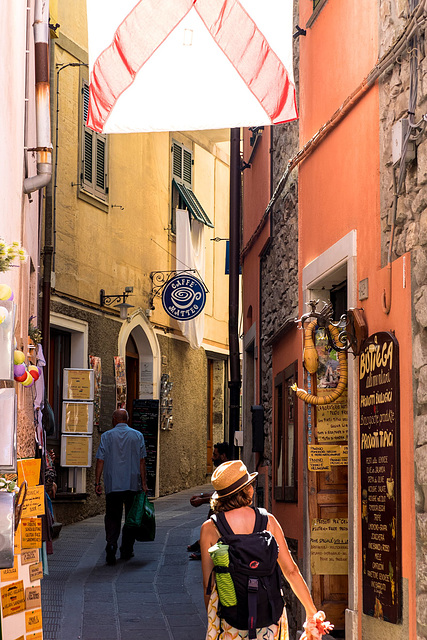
[(339, 191)]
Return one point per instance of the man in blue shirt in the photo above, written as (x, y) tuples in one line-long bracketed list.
[(121, 457)]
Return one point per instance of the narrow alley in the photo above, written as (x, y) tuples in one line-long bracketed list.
[(157, 594)]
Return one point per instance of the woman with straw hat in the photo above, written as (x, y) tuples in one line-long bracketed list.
[(233, 495)]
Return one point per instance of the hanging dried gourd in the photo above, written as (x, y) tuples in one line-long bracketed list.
[(311, 363)]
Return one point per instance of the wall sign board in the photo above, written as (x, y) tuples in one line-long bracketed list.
[(78, 384), (145, 418), (379, 409), (76, 451), (184, 297)]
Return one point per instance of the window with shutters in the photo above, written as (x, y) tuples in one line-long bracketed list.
[(94, 158), (183, 196)]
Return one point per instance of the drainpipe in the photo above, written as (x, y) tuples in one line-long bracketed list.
[(233, 322), (44, 144)]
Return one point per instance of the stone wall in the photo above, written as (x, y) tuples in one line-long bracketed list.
[(279, 290), (410, 236)]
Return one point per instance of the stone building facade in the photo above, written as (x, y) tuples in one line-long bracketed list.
[(410, 236)]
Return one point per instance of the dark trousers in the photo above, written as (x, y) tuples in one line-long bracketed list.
[(114, 502)]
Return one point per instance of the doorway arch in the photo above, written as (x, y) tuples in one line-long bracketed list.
[(142, 335)]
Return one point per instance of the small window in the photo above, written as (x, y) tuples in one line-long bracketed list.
[(183, 196), (286, 432), (94, 167)]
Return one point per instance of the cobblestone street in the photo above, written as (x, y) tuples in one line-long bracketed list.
[(157, 594)]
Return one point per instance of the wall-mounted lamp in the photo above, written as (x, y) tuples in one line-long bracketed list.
[(123, 306)]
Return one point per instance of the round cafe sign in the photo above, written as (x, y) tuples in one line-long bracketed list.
[(184, 297)]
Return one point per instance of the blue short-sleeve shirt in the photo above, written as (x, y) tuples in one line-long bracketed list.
[(122, 449)]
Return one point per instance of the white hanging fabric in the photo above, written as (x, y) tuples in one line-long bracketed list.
[(190, 254)]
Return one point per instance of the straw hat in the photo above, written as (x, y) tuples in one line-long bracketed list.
[(230, 477)]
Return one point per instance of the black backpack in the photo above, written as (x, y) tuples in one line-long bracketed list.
[(255, 573)]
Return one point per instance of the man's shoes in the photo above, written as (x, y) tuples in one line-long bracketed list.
[(126, 555), (110, 557), (196, 555), (194, 547)]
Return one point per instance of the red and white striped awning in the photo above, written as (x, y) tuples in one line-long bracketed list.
[(181, 65)]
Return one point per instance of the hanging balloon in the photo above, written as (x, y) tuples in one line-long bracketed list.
[(34, 371), (29, 380), (19, 370), (18, 357), (5, 292), (21, 378)]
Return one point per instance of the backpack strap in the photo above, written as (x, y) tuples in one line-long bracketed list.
[(220, 521), (261, 519)]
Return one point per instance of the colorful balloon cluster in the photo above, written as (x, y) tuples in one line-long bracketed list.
[(26, 376)]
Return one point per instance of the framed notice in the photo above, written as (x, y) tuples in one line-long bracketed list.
[(77, 417), (78, 384), (7, 431), (76, 451), (379, 402)]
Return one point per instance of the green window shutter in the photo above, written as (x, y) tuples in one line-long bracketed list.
[(182, 164), (94, 155), (176, 161), (101, 165), (187, 169), (88, 136)]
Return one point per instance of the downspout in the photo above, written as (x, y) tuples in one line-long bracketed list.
[(44, 144), (233, 320)]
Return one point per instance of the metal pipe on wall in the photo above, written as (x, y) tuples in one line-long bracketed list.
[(44, 143), (233, 320)]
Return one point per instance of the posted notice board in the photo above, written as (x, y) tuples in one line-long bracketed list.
[(76, 451), (145, 418)]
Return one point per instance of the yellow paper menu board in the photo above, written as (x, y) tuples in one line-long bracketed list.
[(321, 457), (78, 384), (34, 502), (76, 451), (329, 546), (77, 417), (33, 620), (13, 598), (31, 533), (29, 470), (8, 575)]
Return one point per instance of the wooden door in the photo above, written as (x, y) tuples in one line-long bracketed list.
[(328, 499), (210, 399), (132, 375)]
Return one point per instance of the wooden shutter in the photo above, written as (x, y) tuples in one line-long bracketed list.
[(94, 155), (182, 164)]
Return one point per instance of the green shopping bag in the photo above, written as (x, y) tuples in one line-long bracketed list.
[(141, 518)]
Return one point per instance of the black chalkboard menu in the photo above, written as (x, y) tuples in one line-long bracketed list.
[(379, 395), (145, 418)]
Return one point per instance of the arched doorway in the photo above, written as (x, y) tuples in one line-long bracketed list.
[(132, 374)]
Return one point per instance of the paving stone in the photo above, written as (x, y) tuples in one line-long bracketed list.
[(145, 597)]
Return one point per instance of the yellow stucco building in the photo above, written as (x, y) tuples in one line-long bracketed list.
[(112, 223)]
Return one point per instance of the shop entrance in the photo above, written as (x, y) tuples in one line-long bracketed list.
[(328, 489)]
